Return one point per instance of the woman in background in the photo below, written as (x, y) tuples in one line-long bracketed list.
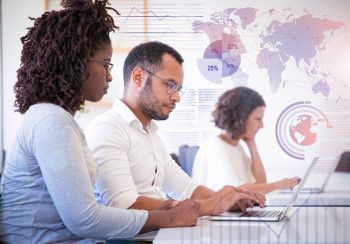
[(221, 160), (47, 192)]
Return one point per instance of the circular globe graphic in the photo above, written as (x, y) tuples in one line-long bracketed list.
[(302, 130), (298, 126)]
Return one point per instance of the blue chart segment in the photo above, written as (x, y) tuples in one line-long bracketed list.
[(211, 69), (221, 59), (297, 127)]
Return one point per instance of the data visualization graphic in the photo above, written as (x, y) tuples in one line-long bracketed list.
[(297, 127), (247, 41), (221, 59)]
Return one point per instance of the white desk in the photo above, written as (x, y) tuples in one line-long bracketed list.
[(336, 193), (305, 224)]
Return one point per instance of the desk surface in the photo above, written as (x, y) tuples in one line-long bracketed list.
[(336, 193), (305, 224)]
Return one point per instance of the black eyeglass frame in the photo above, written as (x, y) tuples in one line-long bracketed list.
[(179, 89), (109, 65)]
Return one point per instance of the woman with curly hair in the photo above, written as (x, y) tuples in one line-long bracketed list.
[(47, 192), (221, 160)]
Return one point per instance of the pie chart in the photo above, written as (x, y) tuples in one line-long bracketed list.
[(221, 59)]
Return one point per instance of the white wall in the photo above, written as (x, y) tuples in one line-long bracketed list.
[(15, 21), (1, 127)]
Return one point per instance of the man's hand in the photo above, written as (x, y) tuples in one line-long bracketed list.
[(259, 198), (231, 198)]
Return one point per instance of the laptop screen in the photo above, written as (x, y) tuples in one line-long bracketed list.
[(300, 186)]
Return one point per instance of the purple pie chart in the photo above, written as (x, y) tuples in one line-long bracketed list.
[(221, 59)]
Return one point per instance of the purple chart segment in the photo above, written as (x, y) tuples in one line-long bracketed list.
[(230, 65), (226, 52), (231, 56), (213, 51)]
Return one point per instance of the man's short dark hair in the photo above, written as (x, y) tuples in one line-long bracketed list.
[(148, 56), (233, 110)]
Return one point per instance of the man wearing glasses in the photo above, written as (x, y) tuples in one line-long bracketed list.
[(135, 169)]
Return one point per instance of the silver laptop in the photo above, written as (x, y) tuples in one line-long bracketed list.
[(267, 215), (313, 190)]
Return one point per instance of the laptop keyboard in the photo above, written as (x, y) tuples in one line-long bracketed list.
[(264, 214)]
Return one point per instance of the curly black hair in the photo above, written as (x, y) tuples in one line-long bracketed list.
[(233, 110), (56, 51), (148, 55)]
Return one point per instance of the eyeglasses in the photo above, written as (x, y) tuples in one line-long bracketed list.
[(106, 65), (172, 86)]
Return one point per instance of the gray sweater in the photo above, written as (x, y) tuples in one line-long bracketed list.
[(47, 192)]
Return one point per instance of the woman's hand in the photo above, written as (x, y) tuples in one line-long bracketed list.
[(288, 183), (172, 214), (168, 204), (249, 140), (184, 213)]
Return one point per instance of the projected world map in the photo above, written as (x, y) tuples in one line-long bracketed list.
[(271, 40)]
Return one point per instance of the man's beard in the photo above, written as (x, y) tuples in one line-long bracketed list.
[(149, 105)]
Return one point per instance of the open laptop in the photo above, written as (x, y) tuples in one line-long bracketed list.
[(313, 190), (266, 214)]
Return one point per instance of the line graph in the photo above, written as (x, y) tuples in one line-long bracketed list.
[(157, 21), (159, 17)]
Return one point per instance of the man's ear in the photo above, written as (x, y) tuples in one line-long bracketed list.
[(136, 76)]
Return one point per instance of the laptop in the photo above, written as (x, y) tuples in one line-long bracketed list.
[(313, 190), (265, 214)]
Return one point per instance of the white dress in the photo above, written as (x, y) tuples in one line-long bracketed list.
[(218, 163)]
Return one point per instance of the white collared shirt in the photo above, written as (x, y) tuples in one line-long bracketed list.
[(133, 162)]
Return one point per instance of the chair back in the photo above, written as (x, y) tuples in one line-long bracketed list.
[(344, 163), (186, 157)]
